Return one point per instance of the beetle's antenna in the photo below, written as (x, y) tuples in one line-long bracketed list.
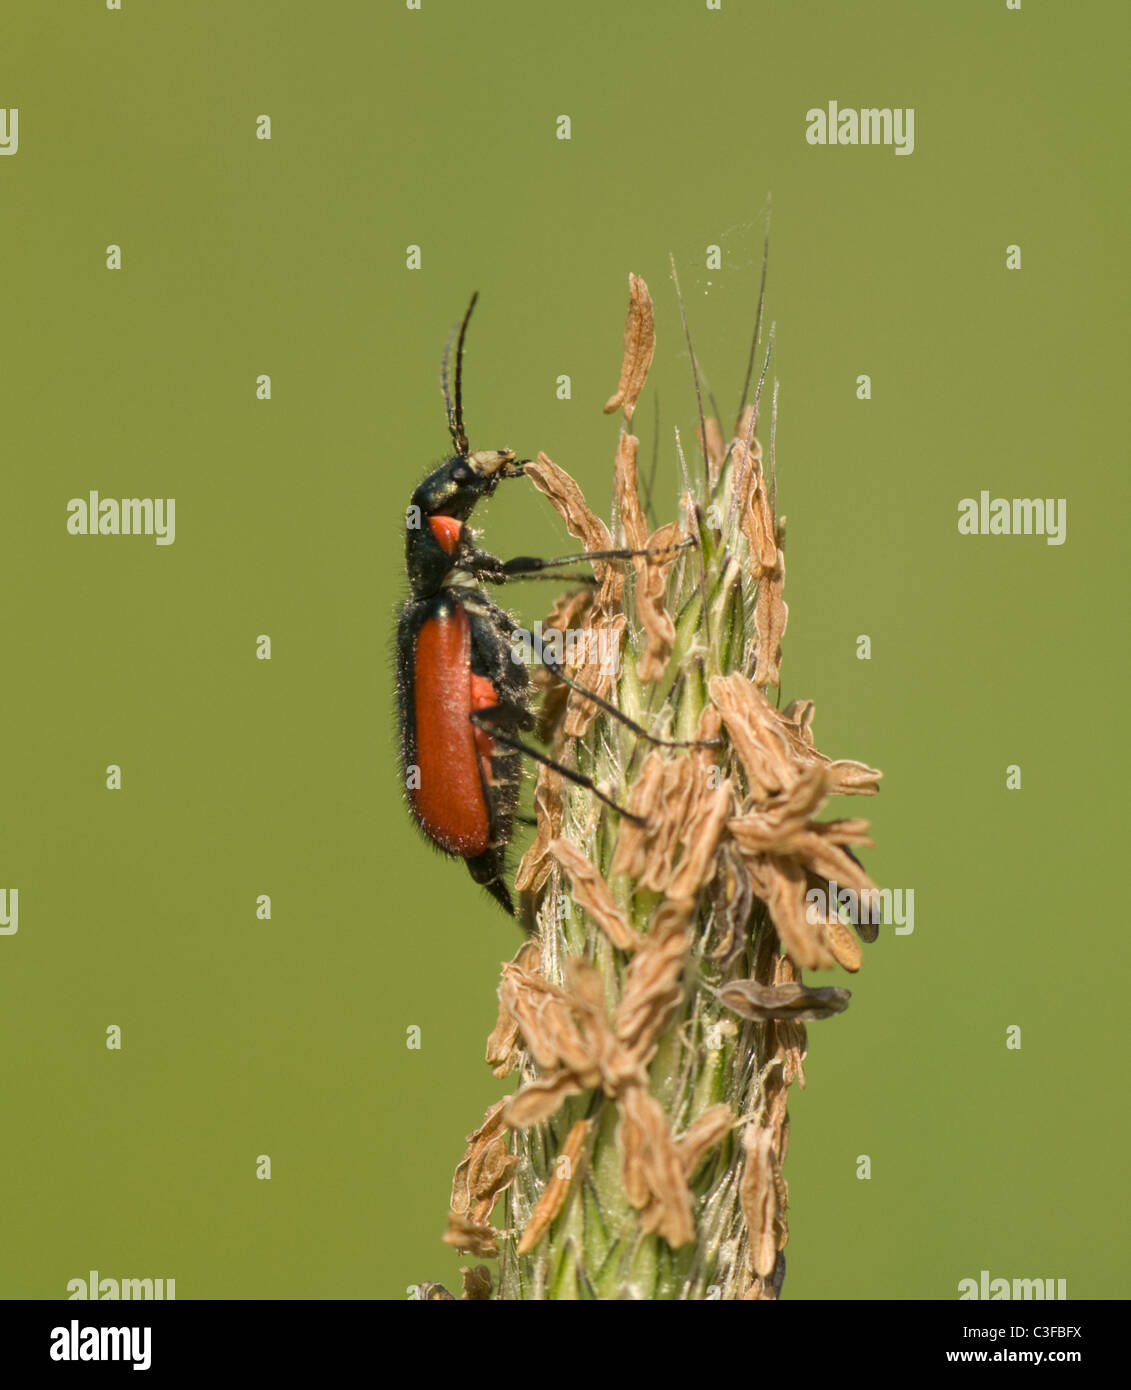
[(444, 381), (455, 413)]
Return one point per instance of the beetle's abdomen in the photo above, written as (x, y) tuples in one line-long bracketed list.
[(450, 802)]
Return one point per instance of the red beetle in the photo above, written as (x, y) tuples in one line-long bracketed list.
[(464, 697)]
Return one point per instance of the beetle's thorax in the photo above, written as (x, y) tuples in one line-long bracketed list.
[(435, 530)]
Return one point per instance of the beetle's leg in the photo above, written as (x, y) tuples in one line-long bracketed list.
[(523, 565), (495, 571), (507, 716), (490, 721), (487, 869), (559, 673)]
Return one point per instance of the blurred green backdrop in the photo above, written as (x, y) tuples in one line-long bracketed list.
[(393, 127)]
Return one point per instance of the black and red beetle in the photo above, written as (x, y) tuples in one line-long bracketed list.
[(464, 697)]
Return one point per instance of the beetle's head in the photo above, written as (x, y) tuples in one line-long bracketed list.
[(435, 520)]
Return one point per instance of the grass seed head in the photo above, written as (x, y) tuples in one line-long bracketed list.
[(656, 1020)]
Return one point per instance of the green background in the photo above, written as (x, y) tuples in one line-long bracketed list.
[(240, 777)]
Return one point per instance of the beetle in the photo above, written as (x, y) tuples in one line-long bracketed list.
[(463, 697), (453, 663)]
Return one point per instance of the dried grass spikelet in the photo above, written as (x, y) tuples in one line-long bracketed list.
[(557, 1190), (639, 347), (591, 892), (484, 1172), (705, 1134), (760, 1198), (714, 447), (570, 612), (652, 981), (581, 521), (656, 1021), (537, 862), (503, 1043), (653, 1172), (477, 1283)]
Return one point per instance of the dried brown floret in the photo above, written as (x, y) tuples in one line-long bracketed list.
[(591, 892), (569, 501), (605, 636), (632, 518), (821, 846), (679, 788), (639, 345), (659, 628), (471, 1237), (759, 1193), (631, 852), (569, 610), (755, 515), (781, 884), (785, 1001), (581, 521), (486, 1168), (844, 947), (434, 1293), (502, 1045), (713, 446), (541, 1100), (683, 803), (557, 1189), (801, 712), (555, 1024), (771, 613), (779, 824), (749, 720), (652, 987), (710, 725), (572, 612), (707, 1132), (733, 903), (653, 1172), (537, 863), (763, 1290), (774, 748), (700, 837), (477, 1283), (790, 1041)]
